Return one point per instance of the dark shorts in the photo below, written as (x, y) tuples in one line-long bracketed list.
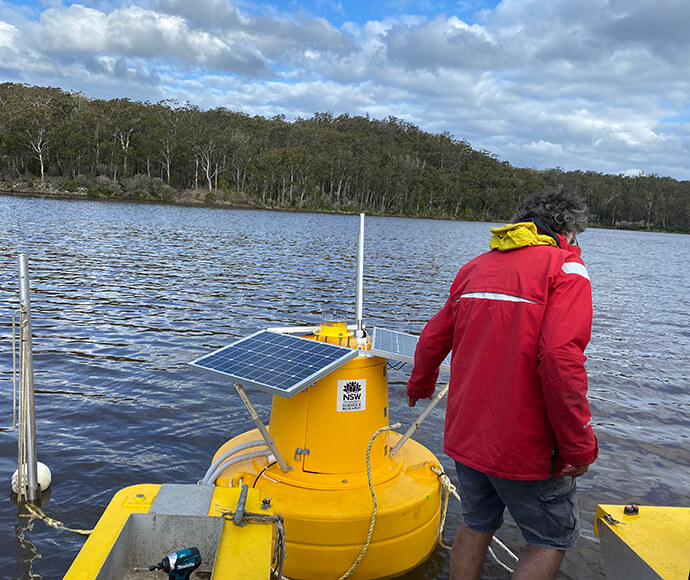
[(544, 510)]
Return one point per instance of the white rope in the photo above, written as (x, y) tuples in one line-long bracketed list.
[(494, 557), (14, 368), (450, 489), (373, 497), (20, 394)]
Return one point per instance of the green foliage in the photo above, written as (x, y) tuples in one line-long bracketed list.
[(168, 152), (108, 186)]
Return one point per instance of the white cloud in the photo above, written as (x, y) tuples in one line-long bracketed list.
[(544, 148), (442, 42), (136, 32), (593, 84), (8, 35)]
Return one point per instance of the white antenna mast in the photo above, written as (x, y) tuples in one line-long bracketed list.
[(360, 278)]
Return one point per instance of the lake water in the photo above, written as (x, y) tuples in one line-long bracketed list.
[(125, 295)]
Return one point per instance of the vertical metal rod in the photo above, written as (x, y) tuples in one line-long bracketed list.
[(422, 416), (360, 275), (270, 442), (33, 491)]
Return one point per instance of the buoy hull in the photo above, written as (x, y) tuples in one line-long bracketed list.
[(327, 516)]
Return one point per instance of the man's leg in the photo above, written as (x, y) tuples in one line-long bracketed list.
[(468, 554), (546, 513), (536, 563)]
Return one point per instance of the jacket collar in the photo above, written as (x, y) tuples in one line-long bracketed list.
[(521, 235)]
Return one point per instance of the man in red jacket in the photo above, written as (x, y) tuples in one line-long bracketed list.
[(517, 320)]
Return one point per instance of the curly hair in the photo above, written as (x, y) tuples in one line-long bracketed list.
[(561, 209)]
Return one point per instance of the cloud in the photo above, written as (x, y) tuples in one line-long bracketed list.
[(8, 35), (276, 36), (544, 148), (133, 31), (593, 84), (441, 42)]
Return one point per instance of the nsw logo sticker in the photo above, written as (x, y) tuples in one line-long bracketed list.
[(352, 395)]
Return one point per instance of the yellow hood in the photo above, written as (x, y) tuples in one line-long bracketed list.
[(520, 235)]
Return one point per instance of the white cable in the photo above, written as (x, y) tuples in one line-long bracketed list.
[(212, 480), (230, 453)]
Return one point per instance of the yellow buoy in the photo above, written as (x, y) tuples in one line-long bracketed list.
[(323, 434)]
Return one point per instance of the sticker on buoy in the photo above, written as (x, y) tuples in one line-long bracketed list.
[(352, 395)]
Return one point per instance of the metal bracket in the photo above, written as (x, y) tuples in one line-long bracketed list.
[(299, 451), (238, 517), (611, 520), (270, 443), (423, 415)]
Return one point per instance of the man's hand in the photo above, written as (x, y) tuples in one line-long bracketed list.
[(411, 401), (574, 470)]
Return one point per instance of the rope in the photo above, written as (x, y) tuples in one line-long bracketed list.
[(20, 419), (450, 489), (279, 549), (14, 368), (37, 512), (373, 497)]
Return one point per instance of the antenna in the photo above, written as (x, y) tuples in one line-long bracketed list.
[(360, 277)]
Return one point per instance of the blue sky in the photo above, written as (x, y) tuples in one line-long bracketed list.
[(361, 12), (601, 85)]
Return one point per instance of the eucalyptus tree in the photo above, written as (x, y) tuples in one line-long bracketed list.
[(125, 116), (35, 112), (167, 121), (72, 146)]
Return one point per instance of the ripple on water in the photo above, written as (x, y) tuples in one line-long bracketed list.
[(125, 295)]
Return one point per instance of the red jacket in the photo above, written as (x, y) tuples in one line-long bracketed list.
[(518, 322)]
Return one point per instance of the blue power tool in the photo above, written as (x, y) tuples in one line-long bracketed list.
[(180, 564)]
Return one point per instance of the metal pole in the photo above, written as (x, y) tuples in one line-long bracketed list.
[(360, 276), (270, 442), (33, 491), (423, 415)]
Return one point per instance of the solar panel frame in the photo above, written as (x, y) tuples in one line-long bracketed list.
[(397, 345), (282, 364)]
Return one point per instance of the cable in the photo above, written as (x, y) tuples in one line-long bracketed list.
[(229, 453), (262, 472), (232, 461)]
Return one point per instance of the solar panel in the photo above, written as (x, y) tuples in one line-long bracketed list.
[(398, 345), (282, 364)]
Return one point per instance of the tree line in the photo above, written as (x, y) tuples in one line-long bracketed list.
[(176, 152)]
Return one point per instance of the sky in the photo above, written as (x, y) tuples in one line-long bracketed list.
[(590, 85)]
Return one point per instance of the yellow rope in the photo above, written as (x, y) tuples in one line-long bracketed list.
[(37, 512), (451, 489), (373, 497)]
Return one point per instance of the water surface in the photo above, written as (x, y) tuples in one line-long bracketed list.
[(125, 295)]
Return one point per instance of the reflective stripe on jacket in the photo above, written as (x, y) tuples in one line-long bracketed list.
[(518, 322)]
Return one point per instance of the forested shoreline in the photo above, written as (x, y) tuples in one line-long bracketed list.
[(60, 143)]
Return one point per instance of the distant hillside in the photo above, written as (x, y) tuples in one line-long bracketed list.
[(53, 141)]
